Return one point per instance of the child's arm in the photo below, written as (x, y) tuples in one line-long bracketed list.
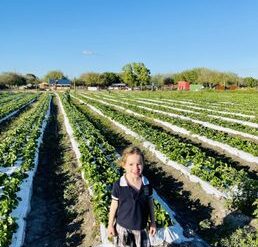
[(112, 214), (152, 218)]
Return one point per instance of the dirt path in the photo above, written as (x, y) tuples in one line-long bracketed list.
[(61, 214)]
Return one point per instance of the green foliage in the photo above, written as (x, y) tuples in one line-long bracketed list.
[(109, 78), (53, 75), (20, 141), (207, 77), (136, 75), (216, 171), (90, 79), (255, 204), (129, 76), (161, 216), (244, 195), (205, 224), (7, 227), (250, 82), (240, 238), (160, 80), (98, 161), (32, 79), (12, 79), (96, 79)]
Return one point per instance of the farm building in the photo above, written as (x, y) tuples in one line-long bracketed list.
[(43, 85), (63, 83), (183, 85), (118, 86)]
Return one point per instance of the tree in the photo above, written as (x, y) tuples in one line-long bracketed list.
[(12, 79), (32, 79), (78, 82), (136, 74), (90, 79), (142, 74), (157, 80), (168, 81), (109, 78), (53, 75), (129, 76), (207, 77), (178, 77), (250, 82)]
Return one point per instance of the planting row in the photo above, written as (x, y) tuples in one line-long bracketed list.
[(218, 171), (13, 105), (99, 164), (4, 98), (14, 140), (229, 101), (204, 115), (18, 157), (203, 128), (233, 122)]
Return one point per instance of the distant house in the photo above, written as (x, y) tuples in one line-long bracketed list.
[(118, 86), (183, 85), (62, 83), (43, 86)]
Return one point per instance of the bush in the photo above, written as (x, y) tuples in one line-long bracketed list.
[(245, 237)]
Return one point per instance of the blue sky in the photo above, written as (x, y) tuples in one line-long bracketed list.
[(168, 36)]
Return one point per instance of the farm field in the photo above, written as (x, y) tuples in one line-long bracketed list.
[(201, 156)]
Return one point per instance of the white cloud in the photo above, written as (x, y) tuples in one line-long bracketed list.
[(88, 53)]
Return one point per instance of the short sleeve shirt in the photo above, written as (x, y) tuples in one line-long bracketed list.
[(133, 205)]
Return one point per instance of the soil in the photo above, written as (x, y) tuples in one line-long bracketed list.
[(61, 212)]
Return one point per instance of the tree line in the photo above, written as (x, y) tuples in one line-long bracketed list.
[(135, 75)]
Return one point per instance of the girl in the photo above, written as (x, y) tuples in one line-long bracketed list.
[(132, 203)]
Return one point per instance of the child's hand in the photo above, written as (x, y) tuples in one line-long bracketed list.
[(111, 231), (153, 229)]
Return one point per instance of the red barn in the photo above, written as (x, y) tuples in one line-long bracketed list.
[(183, 85)]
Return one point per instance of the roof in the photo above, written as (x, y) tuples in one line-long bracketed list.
[(63, 81), (183, 82), (118, 85)]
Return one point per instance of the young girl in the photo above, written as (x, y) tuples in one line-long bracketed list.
[(132, 203)]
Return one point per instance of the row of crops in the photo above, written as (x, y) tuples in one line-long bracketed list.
[(98, 160), (12, 103), (213, 141), (174, 139), (20, 141)]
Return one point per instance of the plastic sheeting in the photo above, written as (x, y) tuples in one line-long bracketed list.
[(23, 208)]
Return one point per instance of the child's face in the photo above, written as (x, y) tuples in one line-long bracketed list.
[(133, 165)]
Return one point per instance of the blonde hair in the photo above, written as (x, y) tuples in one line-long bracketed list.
[(130, 150)]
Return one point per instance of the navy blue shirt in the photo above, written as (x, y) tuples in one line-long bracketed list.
[(133, 206)]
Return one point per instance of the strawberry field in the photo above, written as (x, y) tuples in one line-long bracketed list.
[(207, 142)]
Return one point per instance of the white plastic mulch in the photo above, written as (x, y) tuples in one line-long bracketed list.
[(23, 208), (225, 147), (231, 120), (14, 112), (11, 169), (207, 124), (223, 112), (170, 234)]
